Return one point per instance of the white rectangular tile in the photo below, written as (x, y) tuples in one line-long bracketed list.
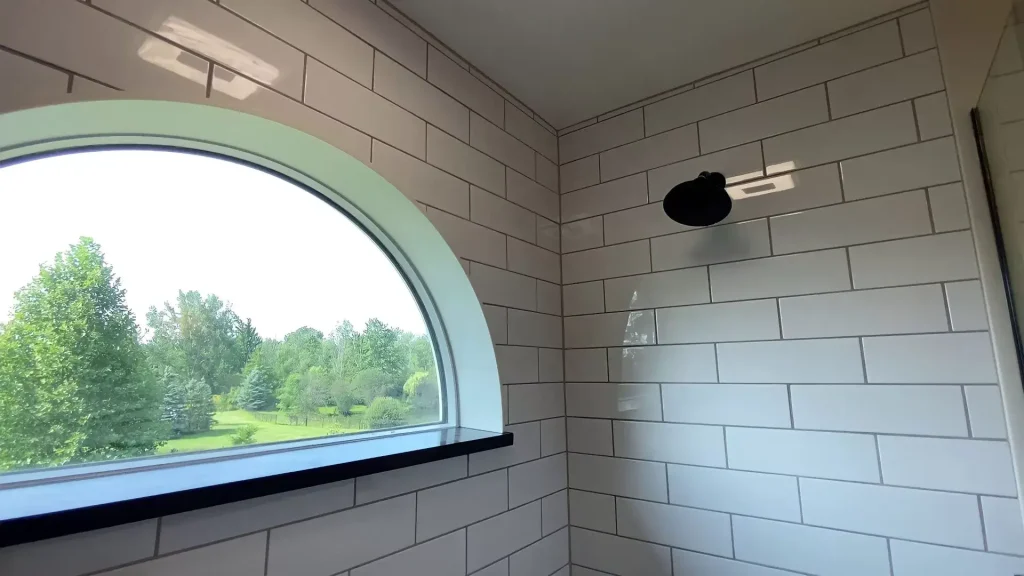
[(809, 550), (840, 139), (603, 198), (917, 31), (517, 364), (711, 245), (907, 168), (550, 365), (554, 511), (621, 401), (80, 38), (935, 410), (949, 208), (388, 484), (913, 559), (453, 156), (651, 152), (800, 453), (611, 329), (703, 102), (398, 84), (499, 214), (1003, 529), (525, 447), (873, 220), (935, 258), (661, 289), (499, 568), (985, 410), (534, 480), (248, 49), (532, 196), (676, 526), (547, 173), (923, 515), (679, 363), (548, 235), (527, 402), (908, 310), (931, 359), (966, 306), (579, 174), (736, 164), (695, 563), (341, 540), (749, 493), (776, 116), (440, 557), (451, 506), (834, 360), (729, 404), (608, 262), (784, 193), (933, 116), (239, 557), (88, 551), (584, 298), (899, 80), (379, 30), (621, 556), (830, 60), (190, 529), (533, 329), (421, 181), (355, 105), (500, 536), (729, 322), (529, 131), (586, 365), (469, 240), (461, 85), (533, 261), (498, 144), (638, 223), (552, 436), (29, 84), (813, 272), (543, 557), (601, 136), (504, 288), (618, 476), (975, 466), (589, 435), (676, 443), (593, 511)]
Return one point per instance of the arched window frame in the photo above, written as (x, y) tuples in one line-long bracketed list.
[(465, 354)]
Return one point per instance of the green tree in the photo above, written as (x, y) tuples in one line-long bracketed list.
[(343, 398), (384, 413), (303, 394), (74, 385), (174, 402), (248, 340), (199, 408), (422, 354), (374, 383), (422, 391), (257, 391)]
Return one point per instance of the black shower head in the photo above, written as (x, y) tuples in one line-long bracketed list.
[(702, 201)]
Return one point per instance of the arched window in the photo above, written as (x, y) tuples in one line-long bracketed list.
[(199, 306)]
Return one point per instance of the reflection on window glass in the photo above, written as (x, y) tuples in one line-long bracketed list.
[(156, 302)]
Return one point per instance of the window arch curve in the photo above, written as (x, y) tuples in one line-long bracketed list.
[(465, 360)]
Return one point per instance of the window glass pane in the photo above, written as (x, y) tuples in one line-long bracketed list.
[(157, 302)]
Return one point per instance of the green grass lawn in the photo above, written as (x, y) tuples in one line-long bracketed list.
[(228, 422)]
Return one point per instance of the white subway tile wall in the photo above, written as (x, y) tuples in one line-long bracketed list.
[(484, 170), (731, 390), (820, 385)]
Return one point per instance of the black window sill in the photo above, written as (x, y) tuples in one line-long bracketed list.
[(34, 508)]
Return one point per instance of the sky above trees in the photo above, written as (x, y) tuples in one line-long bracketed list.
[(170, 221)]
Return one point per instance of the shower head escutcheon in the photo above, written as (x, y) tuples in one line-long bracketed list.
[(702, 201)]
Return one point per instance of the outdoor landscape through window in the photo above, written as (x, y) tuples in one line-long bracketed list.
[(156, 302)]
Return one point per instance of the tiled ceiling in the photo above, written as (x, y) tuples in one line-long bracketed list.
[(574, 59)]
